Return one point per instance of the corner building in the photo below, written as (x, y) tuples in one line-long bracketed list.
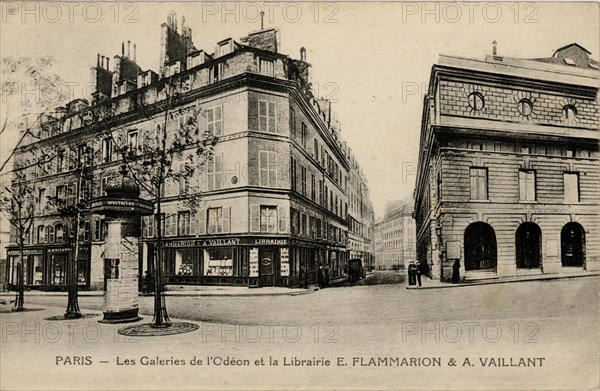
[(275, 200), (508, 172)]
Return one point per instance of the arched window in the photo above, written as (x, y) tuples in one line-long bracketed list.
[(569, 112)]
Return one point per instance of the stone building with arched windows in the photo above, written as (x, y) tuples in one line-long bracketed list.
[(508, 174)]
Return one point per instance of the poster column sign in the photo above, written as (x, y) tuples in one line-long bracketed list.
[(285, 262), (121, 273), (253, 262)]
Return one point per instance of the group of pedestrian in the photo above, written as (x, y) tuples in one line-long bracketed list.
[(414, 274)]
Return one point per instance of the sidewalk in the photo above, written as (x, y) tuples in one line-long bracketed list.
[(436, 284), (197, 291)]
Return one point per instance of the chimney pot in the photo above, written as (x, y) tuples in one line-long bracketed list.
[(107, 63), (128, 49), (494, 49), (134, 52), (302, 53), (122, 48)]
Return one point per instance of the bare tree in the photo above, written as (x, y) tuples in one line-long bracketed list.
[(173, 149), (28, 89), (17, 202), (71, 205)]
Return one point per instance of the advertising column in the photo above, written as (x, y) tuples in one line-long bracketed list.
[(121, 272)]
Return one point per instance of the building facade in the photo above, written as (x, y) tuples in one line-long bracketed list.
[(508, 172), (361, 216), (274, 195), (395, 237)]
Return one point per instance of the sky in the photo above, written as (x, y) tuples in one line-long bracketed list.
[(372, 60)]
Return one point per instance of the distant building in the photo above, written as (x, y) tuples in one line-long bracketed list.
[(508, 173), (395, 237), (274, 195)]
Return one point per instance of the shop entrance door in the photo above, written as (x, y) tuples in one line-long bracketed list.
[(267, 267)]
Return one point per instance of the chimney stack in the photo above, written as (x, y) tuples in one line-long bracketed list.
[(134, 52), (494, 50), (302, 53), (122, 49), (128, 49), (98, 60), (107, 63)]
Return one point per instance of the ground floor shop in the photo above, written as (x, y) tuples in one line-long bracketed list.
[(46, 267), (243, 261)]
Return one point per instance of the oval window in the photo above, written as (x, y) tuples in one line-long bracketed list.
[(476, 101), (525, 107), (569, 112)]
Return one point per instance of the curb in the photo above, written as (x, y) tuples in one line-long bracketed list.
[(190, 294), (501, 281)]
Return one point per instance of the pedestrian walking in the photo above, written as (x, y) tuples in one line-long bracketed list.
[(456, 271), (418, 274)]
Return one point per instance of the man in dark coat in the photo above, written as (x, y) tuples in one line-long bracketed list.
[(456, 271)]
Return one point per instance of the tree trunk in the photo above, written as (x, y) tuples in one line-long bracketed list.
[(72, 281), (20, 299), (161, 318)]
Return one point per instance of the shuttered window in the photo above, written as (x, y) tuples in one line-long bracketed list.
[(571, 182), (268, 219), (479, 185), (214, 118), (527, 185), (267, 116), (215, 172), (267, 173)]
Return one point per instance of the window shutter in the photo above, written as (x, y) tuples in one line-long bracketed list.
[(482, 183), (272, 169), (201, 229), (227, 219), (263, 164), (282, 213), (522, 184), (254, 218), (531, 185), (473, 178), (219, 171), (262, 115)]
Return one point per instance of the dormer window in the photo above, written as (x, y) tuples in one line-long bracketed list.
[(225, 47), (569, 61), (266, 67)]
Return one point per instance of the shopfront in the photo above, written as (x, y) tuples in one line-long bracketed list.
[(46, 267), (33, 264), (243, 261)]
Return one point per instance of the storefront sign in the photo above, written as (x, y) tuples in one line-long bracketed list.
[(26, 251), (271, 242), (285, 262), (253, 262), (221, 242)]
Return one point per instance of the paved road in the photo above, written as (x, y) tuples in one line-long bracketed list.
[(554, 322), (383, 304)]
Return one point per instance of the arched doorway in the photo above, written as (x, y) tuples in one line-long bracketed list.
[(480, 247), (572, 245), (528, 239)]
